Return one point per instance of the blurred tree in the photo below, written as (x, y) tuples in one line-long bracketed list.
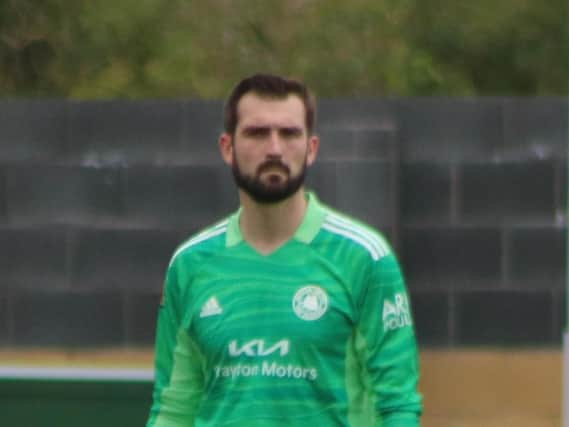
[(494, 47), (165, 48)]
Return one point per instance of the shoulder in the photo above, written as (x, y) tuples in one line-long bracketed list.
[(355, 234), (209, 240)]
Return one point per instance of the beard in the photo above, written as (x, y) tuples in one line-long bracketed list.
[(268, 193)]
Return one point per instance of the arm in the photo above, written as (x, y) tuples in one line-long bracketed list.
[(389, 344), (178, 375)]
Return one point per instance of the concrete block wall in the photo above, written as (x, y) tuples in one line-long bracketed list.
[(95, 196), (483, 199)]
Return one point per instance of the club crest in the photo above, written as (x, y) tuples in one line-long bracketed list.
[(310, 302)]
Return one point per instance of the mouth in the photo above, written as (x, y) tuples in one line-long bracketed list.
[(274, 176), (274, 171)]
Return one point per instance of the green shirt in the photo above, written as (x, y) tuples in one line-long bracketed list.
[(319, 331)]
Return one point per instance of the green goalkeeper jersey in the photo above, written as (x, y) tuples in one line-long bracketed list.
[(319, 332)]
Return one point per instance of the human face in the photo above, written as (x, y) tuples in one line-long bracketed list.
[(270, 149)]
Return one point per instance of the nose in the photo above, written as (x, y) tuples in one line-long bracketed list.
[(274, 144)]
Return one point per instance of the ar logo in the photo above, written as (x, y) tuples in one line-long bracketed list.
[(310, 302), (396, 313)]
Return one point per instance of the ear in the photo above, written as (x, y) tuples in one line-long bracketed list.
[(313, 146), (226, 148)]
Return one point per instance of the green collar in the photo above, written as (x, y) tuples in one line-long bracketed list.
[(307, 230)]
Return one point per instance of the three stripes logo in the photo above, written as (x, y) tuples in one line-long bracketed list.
[(211, 308)]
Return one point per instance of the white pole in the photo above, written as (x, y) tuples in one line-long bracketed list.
[(565, 402), (565, 391)]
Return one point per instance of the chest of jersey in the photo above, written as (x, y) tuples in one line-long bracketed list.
[(276, 316)]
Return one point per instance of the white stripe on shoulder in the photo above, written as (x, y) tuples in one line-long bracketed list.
[(355, 238), (359, 234), (204, 235), (373, 238)]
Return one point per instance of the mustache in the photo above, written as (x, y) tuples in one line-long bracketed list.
[(272, 163)]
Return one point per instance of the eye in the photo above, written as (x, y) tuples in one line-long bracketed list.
[(290, 132), (256, 132)]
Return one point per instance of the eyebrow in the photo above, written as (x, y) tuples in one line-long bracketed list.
[(261, 128)]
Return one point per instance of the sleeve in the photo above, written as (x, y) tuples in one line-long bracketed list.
[(178, 380), (389, 345)]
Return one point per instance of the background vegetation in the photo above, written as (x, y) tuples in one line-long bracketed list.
[(185, 48)]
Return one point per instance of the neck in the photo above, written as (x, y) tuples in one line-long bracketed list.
[(268, 226)]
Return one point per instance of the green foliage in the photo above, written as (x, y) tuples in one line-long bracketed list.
[(174, 48), (498, 47)]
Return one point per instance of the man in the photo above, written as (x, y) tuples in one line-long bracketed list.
[(286, 313)]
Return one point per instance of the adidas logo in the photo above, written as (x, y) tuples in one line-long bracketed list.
[(211, 308)]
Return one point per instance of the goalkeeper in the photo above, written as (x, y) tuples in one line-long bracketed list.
[(286, 313)]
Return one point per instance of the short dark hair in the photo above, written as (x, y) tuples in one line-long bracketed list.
[(270, 86)]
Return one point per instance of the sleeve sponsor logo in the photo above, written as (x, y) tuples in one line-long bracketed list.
[(396, 313)]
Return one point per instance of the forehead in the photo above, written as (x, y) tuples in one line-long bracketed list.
[(256, 110)]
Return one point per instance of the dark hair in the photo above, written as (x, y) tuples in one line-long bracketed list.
[(270, 86)]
